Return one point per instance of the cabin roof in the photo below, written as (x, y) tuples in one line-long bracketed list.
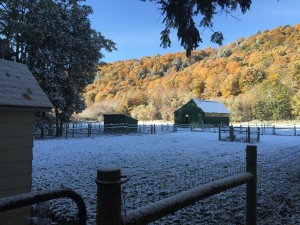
[(18, 87)]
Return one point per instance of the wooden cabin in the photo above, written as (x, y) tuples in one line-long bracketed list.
[(20, 97)]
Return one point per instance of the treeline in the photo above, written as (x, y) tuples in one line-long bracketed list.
[(256, 77)]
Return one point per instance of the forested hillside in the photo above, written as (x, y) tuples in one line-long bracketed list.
[(256, 77)]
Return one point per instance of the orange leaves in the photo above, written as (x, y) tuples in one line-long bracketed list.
[(232, 66), (154, 87)]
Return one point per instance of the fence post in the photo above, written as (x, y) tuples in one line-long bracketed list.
[(251, 198), (42, 130), (231, 134), (108, 196), (248, 134), (154, 129), (89, 129), (273, 130), (126, 128), (295, 131), (219, 133), (67, 128), (258, 134)]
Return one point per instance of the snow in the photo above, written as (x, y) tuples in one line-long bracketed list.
[(158, 165), (211, 106)]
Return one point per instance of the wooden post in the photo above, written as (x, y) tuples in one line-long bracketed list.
[(219, 133), (231, 134), (108, 196), (258, 134), (73, 131), (273, 130), (89, 129), (295, 131), (42, 131), (67, 128), (248, 134), (251, 198), (154, 129)]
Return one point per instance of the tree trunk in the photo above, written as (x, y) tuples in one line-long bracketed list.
[(58, 132)]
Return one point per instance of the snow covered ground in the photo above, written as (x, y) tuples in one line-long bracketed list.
[(160, 165)]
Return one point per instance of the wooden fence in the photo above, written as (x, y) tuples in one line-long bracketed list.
[(246, 134), (269, 129), (109, 182), (75, 130)]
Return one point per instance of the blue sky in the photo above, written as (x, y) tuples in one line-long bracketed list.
[(135, 26)]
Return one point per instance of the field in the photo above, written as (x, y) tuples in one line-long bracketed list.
[(164, 164)]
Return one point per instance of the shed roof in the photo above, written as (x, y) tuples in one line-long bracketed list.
[(119, 114), (211, 106), (18, 87)]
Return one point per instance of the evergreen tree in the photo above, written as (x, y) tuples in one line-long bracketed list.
[(181, 15), (56, 41)]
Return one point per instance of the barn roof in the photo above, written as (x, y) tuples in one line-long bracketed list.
[(18, 87), (211, 106)]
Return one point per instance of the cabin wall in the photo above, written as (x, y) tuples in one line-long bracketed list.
[(16, 142)]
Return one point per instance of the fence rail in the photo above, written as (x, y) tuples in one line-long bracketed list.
[(269, 129), (109, 185), (157, 210), (29, 199), (76, 130), (246, 134)]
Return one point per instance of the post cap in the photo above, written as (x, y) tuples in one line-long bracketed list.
[(109, 174)]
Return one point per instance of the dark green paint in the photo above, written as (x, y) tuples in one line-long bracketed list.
[(190, 113)]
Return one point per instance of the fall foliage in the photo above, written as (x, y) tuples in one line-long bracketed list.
[(256, 78)]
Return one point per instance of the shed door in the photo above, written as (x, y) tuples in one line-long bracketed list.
[(187, 121)]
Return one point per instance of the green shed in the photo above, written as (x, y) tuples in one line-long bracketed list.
[(198, 112), (117, 121)]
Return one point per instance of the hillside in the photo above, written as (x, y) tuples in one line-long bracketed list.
[(256, 77)]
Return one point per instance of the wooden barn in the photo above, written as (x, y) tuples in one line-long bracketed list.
[(199, 112), (20, 97), (115, 120)]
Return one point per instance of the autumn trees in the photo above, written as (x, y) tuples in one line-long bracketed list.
[(256, 78)]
